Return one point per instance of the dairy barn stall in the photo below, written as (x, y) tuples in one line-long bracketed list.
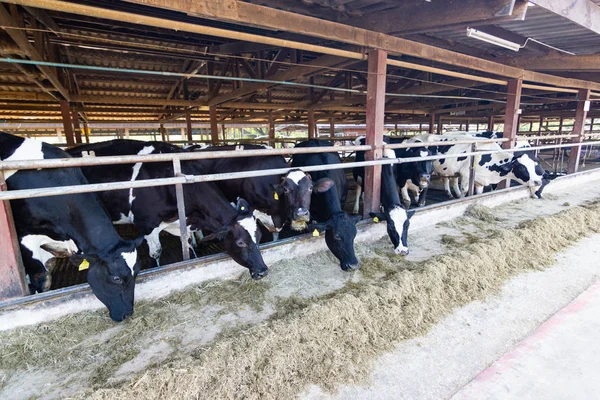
[(316, 199)]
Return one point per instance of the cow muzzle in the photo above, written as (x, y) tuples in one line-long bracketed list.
[(258, 275), (401, 250)]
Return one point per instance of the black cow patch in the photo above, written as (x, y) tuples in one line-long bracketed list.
[(485, 159), (461, 158), (442, 160)]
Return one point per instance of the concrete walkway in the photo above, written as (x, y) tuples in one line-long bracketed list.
[(560, 360)]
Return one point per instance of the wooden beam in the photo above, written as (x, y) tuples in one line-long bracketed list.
[(136, 101), (22, 41), (188, 122), (375, 121), (511, 117), (557, 62), (67, 124), (311, 124), (431, 123), (582, 12), (268, 18), (214, 127), (76, 128), (583, 106), (12, 271)]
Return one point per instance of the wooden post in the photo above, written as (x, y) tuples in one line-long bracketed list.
[(163, 135), (76, 127), (511, 117), (126, 133), (467, 126), (431, 123), (491, 123), (331, 128), (311, 124), (440, 125), (188, 121), (377, 60), (214, 127), (59, 135), (86, 132), (68, 125), (583, 106), (271, 130), (12, 272), (224, 133)]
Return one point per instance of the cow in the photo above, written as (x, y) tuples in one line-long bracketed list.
[(154, 209), (396, 217), (489, 168), (327, 203), (413, 176), (276, 199), (70, 225)]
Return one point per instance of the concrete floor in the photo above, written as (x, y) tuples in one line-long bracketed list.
[(536, 339)]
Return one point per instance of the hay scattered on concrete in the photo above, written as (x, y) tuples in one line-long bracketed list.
[(335, 339), (481, 213)]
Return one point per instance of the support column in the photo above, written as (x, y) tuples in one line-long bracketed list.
[(126, 133), (440, 125), (511, 117), (214, 127), (491, 123), (188, 122), (271, 130), (86, 132), (76, 127), (331, 128), (375, 122), (311, 124), (583, 106), (431, 124), (12, 272), (163, 134), (68, 125)]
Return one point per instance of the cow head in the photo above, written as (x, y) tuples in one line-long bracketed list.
[(294, 193), (340, 229), (422, 170), (241, 237), (398, 221), (111, 275), (528, 172)]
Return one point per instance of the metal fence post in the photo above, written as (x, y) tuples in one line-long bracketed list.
[(181, 211)]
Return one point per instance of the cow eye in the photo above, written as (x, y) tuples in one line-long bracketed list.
[(116, 279), (310, 189), (286, 190), (337, 237)]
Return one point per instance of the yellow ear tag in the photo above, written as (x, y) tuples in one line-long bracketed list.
[(376, 220), (276, 196), (242, 208), (316, 233), (85, 264)]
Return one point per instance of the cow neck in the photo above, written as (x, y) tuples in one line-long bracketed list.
[(389, 193), (209, 205), (90, 227), (330, 201)]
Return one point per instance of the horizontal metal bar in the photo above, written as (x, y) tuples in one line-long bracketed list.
[(167, 157), (95, 187), (440, 143), (524, 137)]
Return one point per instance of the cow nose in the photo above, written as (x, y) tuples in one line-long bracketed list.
[(351, 267), (127, 315), (301, 212), (401, 251), (426, 176), (258, 275)]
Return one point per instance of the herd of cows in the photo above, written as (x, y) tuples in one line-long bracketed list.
[(80, 226)]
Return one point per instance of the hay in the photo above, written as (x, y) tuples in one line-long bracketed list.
[(481, 213), (335, 339)]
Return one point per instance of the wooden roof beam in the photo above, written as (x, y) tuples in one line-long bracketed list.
[(558, 62), (23, 42)]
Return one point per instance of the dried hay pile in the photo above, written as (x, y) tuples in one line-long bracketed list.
[(335, 339)]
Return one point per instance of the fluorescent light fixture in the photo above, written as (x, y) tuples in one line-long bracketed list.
[(486, 37)]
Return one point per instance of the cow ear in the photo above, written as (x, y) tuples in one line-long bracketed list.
[(57, 250), (82, 261), (379, 216), (218, 235), (323, 185), (355, 218), (242, 206), (138, 241)]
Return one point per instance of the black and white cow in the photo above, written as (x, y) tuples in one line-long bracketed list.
[(328, 199), (396, 217), (72, 225), (489, 169), (413, 176), (276, 199), (154, 209)]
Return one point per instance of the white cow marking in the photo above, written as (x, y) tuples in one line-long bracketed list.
[(130, 259), (296, 176), (34, 243), (423, 153), (266, 220), (134, 175), (249, 224), (398, 216), (389, 153), (30, 149)]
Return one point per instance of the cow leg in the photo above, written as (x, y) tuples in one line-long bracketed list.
[(357, 200), (447, 187), (478, 189), (275, 236), (405, 196), (414, 189), (154, 247), (458, 193)]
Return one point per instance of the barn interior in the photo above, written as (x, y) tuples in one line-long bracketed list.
[(278, 72)]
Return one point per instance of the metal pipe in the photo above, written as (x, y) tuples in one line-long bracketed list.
[(167, 157), (181, 211), (440, 143)]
